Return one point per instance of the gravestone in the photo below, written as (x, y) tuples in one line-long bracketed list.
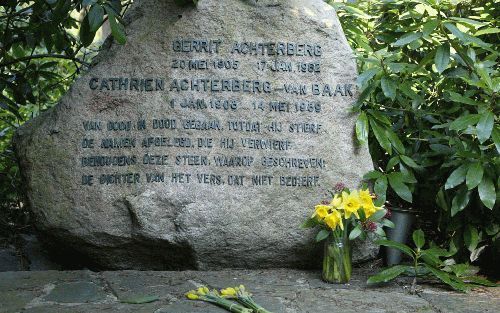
[(203, 142)]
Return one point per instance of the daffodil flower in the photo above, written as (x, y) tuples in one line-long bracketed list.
[(351, 203), (321, 210), (334, 219)]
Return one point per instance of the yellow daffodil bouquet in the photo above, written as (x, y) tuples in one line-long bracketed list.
[(348, 215)]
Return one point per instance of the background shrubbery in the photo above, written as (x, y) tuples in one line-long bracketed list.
[(429, 111), (428, 106)]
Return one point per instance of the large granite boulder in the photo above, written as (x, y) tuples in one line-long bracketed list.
[(203, 142)]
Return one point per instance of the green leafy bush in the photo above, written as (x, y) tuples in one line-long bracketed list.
[(428, 109), (430, 262), (44, 46)]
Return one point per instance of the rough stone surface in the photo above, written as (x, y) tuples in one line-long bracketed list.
[(9, 261), (218, 222), (281, 291)]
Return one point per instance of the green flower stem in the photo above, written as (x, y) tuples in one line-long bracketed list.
[(250, 303), (226, 304), (337, 264)]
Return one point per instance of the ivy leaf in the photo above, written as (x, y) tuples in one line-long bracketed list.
[(460, 200), (485, 126), (456, 177), (388, 87), (442, 57), (406, 39), (362, 128), (474, 175), (487, 192), (397, 184)]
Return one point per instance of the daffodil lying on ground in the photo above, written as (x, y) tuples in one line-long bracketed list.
[(213, 296), (241, 295)]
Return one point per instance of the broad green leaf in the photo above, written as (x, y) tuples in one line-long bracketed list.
[(380, 189), (486, 31), (429, 27), (372, 175), (445, 278), (487, 192), (309, 223), (140, 299), (362, 128), (396, 245), (392, 162), (442, 57), (471, 237), (397, 184), (364, 77), (322, 235), (389, 87), (485, 76), (395, 141), (96, 16), (465, 38), (418, 238), (464, 121), (460, 201), (485, 126), (456, 177), (388, 274), (474, 175), (380, 134), (88, 2), (117, 29), (355, 232), (377, 215), (409, 161), (469, 21), (495, 135), (406, 39), (459, 98), (86, 35), (441, 200), (477, 280), (388, 223)]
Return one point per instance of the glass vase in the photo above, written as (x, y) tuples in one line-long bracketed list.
[(337, 263)]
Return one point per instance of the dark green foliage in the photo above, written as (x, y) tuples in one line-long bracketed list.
[(44, 47), (429, 86), (431, 262)]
